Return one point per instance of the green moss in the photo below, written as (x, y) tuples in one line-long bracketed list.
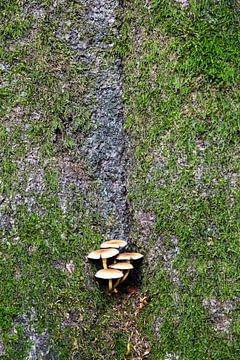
[(120, 345), (181, 69), (34, 275), (43, 117)]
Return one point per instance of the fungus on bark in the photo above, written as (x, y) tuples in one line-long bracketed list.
[(122, 266), (103, 254), (110, 275), (117, 244)]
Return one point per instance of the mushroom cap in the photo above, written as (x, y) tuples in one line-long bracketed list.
[(117, 244), (129, 256), (103, 254), (109, 274), (121, 266)]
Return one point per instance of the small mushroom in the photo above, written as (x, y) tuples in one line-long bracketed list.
[(103, 254), (117, 244), (129, 256), (109, 274), (122, 266)]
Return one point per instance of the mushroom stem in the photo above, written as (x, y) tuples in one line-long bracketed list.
[(104, 262), (110, 285), (117, 282), (125, 276)]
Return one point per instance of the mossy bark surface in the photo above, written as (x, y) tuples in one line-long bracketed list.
[(63, 178), (119, 120)]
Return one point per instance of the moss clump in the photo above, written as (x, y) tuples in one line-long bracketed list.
[(45, 228), (121, 341), (182, 103)]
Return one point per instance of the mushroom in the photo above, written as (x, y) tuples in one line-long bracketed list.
[(122, 266), (129, 256), (117, 244), (109, 274), (103, 254)]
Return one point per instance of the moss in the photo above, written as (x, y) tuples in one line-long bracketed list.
[(48, 294), (120, 345), (181, 72), (34, 274), (181, 69), (44, 118)]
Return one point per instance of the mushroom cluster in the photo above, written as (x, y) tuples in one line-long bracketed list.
[(120, 266)]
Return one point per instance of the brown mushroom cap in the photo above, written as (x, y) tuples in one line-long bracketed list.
[(117, 244), (122, 266), (109, 274), (103, 254), (129, 256)]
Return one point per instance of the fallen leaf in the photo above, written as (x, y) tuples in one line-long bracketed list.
[(147, 352), (132, 290), (145, 300)]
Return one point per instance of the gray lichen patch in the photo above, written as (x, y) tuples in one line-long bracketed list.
[(183, 3), (106, 145), (146, 221), (39, 346), (2, 351), (163, 254), (220, 313), (171, 356)]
